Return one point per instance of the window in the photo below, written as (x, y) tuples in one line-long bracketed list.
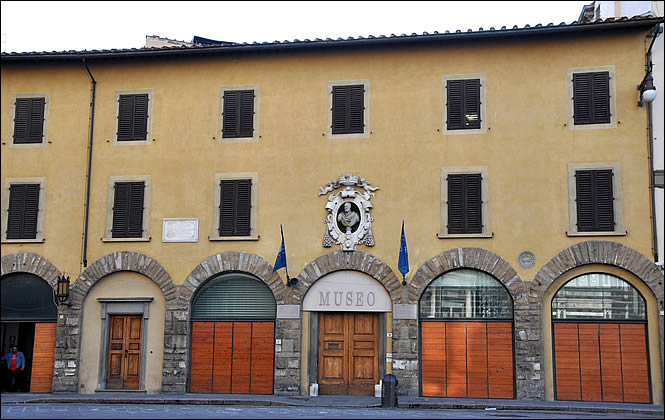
[(23, 210), (348, 115), (133, 111), (592, 91), (464, 207), (129, 212), (29, 119), (595, 206), (464, 104), (239, 112), (235, 207)]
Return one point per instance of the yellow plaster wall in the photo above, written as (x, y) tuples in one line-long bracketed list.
[(526, 148)]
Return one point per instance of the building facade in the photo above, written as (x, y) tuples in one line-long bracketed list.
[(158, 178)]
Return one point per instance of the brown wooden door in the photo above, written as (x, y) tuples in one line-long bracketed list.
[(348, 352), (43, 354), (124, 357)]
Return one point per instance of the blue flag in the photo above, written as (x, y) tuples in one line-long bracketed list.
[(403, 264), (280, 261)]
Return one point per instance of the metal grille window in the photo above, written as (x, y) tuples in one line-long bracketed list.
[(348, 109), (598, 296), (467, 294), (464, 203), (463, 104), (234, 296), (29, 120), (132, 117), (235, 207), (23, 211), (128, 209), (595, 200), (591, 98), (238, 114)]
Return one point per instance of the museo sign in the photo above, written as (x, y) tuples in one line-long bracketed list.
[(347, 291)]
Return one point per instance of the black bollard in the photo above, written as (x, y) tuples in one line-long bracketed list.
[(389, 392)]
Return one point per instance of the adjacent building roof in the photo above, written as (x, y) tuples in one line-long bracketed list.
[(208, 46)]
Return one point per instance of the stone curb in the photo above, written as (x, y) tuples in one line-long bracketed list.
[(267, 403)]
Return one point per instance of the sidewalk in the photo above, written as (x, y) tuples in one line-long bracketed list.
[(331, 401)]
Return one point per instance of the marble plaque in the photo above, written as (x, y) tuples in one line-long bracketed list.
[(180, 229)]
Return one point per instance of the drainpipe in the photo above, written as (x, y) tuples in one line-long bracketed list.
[(649, 66), (89, 169)]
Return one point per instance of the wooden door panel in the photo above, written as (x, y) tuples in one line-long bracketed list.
[(333, 354), (634, 364), (202, 357), (114, 379), (263, 337), (476, 363), (610, 359), (242, 345), (589, 350), (433, 359), (43, 355), (567, 361), (132, 361), (222, 352), (456, 359), (500, 360)]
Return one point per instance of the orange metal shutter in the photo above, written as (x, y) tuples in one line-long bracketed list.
[(43, 355)]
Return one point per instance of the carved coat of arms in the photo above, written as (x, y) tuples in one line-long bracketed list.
[(349, 222)]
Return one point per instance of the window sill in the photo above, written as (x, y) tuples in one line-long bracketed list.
[(23, 241), (464, 235), (572, 234), (127, 239), (234, 238)]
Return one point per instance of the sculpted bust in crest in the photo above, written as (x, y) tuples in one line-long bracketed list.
[(348, 217)]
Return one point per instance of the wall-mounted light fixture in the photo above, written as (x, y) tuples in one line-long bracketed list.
[(647, 89), (62, 291)]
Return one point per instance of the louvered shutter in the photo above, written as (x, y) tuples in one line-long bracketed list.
[(29, 120), (591, 98), (455, 111), (128, 210), (23, 211), (464, 203), (595, 200), (238, 114), (348, 109), (132, 117), (463, 104), (235, 207)]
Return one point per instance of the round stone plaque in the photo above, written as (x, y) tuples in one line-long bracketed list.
[(526, 259)]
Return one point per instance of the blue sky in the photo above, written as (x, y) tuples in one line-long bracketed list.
[(59, 26)]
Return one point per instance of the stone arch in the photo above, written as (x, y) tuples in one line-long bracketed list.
[(29, 262), (123, 261), (345, 260), (234, 261), (474, 258), (601, 252)]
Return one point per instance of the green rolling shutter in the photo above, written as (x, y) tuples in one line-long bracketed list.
[(234, 296)]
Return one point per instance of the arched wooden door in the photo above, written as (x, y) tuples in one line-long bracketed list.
[(466, 333), (600, 349), (233, 336)]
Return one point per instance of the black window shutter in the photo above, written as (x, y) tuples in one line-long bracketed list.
[(463, 104), (348, 109), (29, 120), (595, 200), (23, 211), (238, 117), (464, 203), (128, 209), (591, 98), (235, 207), (132, 117)]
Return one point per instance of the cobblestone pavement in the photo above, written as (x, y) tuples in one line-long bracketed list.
[(172, 411)]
